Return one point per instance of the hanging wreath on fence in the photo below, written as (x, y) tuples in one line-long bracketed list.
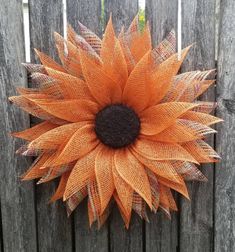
[(119, 125)]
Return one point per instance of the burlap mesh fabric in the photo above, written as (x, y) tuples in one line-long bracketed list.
[(95, 73)]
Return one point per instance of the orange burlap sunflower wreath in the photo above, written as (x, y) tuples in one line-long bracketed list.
[(119, 125)]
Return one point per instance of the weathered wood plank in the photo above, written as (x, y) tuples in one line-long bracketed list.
[(122, 12), (54, 228), (86, 238), (121, 239), (87, 12), (161, 233), (196, 216), (225, 141), (17, 198), (162, 16)]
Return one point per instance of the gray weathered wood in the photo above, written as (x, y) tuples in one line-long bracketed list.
[(196, 216), (122, 12), (86, 238), (87, 12), (17, 198), (121, 239), (225, 141), (161, 233), (162, 16), (54, 228)]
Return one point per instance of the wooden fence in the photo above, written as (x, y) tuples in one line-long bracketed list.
[(207, 223)]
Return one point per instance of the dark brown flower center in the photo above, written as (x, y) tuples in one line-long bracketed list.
[(117, 125)]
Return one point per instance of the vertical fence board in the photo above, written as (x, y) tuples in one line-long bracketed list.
[(121, 239), (196, 216), (86, 239), (161, 233), (54, 228), (122, 12), (225, 141), (17, 198)]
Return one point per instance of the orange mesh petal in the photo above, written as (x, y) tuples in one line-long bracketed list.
[(162, 151), (52, 139), (201, 151), (49, 62), (182, 131), (104, 176), (101, 86), (161, 169), (157, 118), (124, 191), (82, 142), (201, 118), (82, 173), (133, 173), (72, 87), (61, 187), (90, 37), (34, 132), (35, 171), (166, 198), (70, 110)]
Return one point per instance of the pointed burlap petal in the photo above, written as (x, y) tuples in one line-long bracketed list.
[(101, 86), (201, 118), (124, 192), (139, 206), (90, 37), (69, 55), (34, 68), (93, 202), (162, 151), (159, 117), (72, 87), (61, 187), (26, 102), (53, 138), (188, 86), (49, 62), (160, 169), (82, 173), (104, 176), (34, 132), (182, 131), (179, 187), (116, 66), (189, 171), (75, 200), (201, 151), (81, 143), (154, 186), (69, 110), (165, 48), (166, 197), (126, 215), (133, 173), (34, 171), (108, 43), (162, 77), (137, 92)]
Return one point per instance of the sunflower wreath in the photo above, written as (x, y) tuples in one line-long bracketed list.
[(119, 125)]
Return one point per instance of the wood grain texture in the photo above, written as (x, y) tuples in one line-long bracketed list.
[(161, 233), (86, 238), (17, 198), (196, 216), (225, 141), (87, 12), (162, 16), (121, 239), (54, 228), (122, 12)]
